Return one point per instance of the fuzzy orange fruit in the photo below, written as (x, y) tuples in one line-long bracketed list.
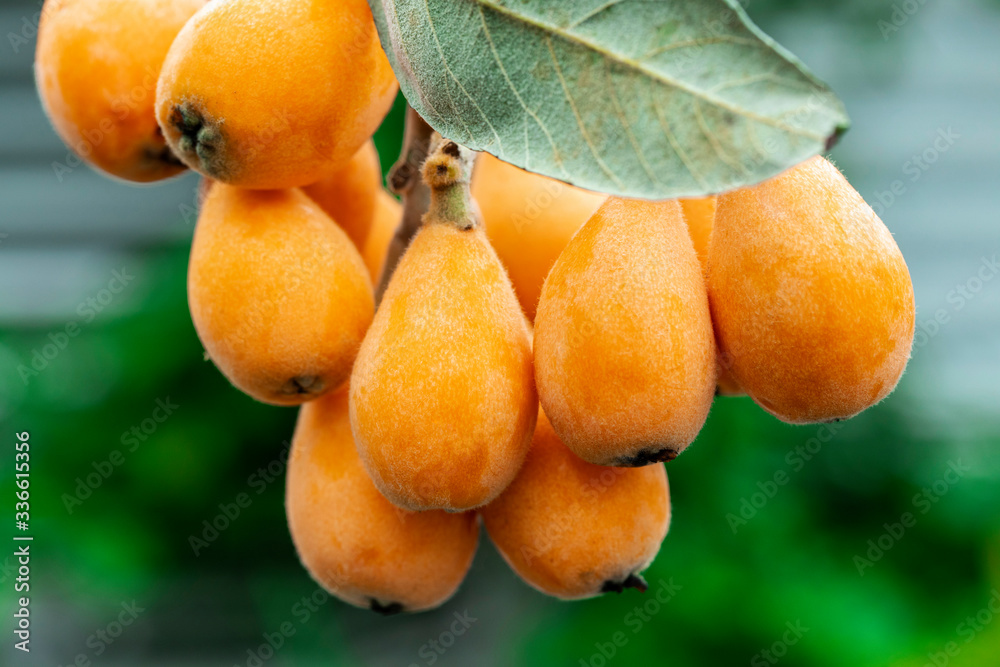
[(96, 64), (266, 94), (574, 530), (279, 295), (443, 402), (352, 540), (811, 298), (624, 352), (699, 214)]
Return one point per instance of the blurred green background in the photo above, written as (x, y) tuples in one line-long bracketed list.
[(813, 571)]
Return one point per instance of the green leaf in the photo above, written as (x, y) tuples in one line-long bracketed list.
[(643, 98)]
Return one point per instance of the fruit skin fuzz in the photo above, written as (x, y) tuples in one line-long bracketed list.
[(624, 351), (350, 194), (352, 540), (575, 530), (443, 403), (811, 297), (279, 295)]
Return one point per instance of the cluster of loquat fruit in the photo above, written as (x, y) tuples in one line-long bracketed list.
[(539, 349)]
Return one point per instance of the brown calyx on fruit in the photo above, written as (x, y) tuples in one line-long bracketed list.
[(305, 384), (388, 609), (200, 140), (646, 457), (631, 581)]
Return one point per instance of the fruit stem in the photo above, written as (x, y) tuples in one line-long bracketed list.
[(448, 171), (404, 180)]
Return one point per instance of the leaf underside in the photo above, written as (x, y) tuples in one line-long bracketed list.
[(642, 98)]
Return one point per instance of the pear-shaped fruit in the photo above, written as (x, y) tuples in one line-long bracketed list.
[(443, 403), (352, 540), (573, 529), (265, 94), (279, 295), (811, 298), (624, 353), (96, 65)]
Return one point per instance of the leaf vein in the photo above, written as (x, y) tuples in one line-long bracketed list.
[(444, 61), (591, 14), (703, 41), (764, 76), (669, 133), (623, 119), (576, 114), (503, 70), (636, 65), (716, 146)]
